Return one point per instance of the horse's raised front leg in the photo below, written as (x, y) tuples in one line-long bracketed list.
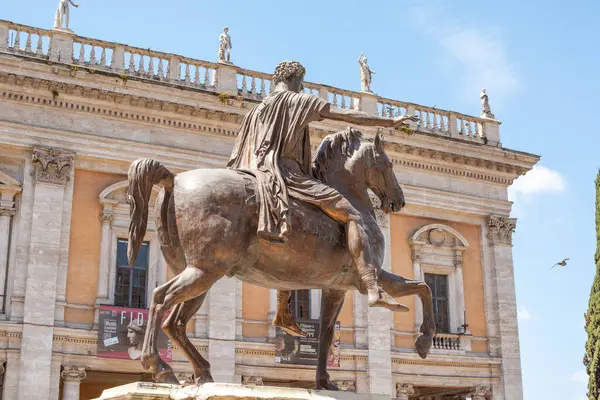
[(175, 327), (191, 283), (397, 286), (331, 305)]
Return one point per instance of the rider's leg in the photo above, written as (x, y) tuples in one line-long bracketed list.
[(283, 317), (341, 210)]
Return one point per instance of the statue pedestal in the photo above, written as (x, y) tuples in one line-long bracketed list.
[(225, 391)]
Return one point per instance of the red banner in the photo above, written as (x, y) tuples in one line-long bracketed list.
[(121, 334)]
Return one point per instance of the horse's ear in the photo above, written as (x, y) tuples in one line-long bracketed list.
[(378, 141)]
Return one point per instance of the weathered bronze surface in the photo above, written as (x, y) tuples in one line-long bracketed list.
[(275, 219)]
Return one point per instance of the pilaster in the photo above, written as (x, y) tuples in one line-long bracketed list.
[(61, 46), (226, 79), (3, 35), (379, 323), (500, 241), (221, 329), (368, 103), (52, 170), (10, 387)]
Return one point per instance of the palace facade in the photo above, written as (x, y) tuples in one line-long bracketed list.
[(76, 111)]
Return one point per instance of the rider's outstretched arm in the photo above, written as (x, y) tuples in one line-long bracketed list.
[(362, 118)]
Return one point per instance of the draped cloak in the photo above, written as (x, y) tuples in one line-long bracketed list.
[(274, 143)]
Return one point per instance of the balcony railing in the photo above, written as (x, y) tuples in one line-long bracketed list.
[(186, 72)]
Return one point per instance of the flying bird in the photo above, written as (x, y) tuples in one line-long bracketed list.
[(560, 264)]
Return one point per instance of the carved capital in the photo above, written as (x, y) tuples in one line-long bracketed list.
[(51, 166), (106, 216), (403, 390), (481, 393), (252, 380), (7, 211), (501, 229), (415, 254), (346, 386), (73, 373)]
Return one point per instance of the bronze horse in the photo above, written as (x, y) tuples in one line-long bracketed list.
[(207, 222)]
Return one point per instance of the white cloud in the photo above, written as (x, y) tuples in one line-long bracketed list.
[(478, 51), (540, 180), (580, 376), (523, 314)]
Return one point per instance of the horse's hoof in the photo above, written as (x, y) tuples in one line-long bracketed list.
[(326, 384), (149, 361), (166, 376), (423, 345), (203, 378)]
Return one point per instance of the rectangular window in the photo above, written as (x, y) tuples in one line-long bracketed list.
[(439, 289), (131, 282), (300, 304)]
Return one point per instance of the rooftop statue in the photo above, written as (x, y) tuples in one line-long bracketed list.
[(62, 13)]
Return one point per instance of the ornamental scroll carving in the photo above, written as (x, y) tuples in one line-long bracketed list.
[(346, 386), (481, 393), (252, 380), (51, 166), (404, 389), (380, 216), (73, 373), (501, 229)]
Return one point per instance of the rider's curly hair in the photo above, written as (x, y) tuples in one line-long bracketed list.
[(286, 70)]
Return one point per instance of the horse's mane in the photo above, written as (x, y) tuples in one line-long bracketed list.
[(348, 141)]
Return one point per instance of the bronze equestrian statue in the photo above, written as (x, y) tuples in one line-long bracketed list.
[(275, 219)]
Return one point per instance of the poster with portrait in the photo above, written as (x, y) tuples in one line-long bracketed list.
[(291, 349), (121, 334)]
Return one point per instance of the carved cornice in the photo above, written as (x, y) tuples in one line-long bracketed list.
[(404, 389), (501, 229), (252, 380), (73, 373), (147, 103), (51, 166)]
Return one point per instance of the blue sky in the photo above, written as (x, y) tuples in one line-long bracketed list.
[(538, 60)]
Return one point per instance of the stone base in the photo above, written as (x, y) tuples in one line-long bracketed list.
[(225, 391)]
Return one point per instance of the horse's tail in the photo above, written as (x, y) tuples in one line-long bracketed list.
[(143, 174)]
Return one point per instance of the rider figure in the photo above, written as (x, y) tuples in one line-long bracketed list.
[(274, 143)]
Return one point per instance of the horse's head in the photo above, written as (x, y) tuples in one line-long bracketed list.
[(380, 177), (343, 159)]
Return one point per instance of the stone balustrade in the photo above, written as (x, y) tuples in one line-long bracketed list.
[(128, 61), (253, 84), (26, 40), (437, 121), (90, 52), (446, 341)]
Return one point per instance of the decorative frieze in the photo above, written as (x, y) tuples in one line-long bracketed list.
[(51, 166), (183, 109), (501, 229)]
